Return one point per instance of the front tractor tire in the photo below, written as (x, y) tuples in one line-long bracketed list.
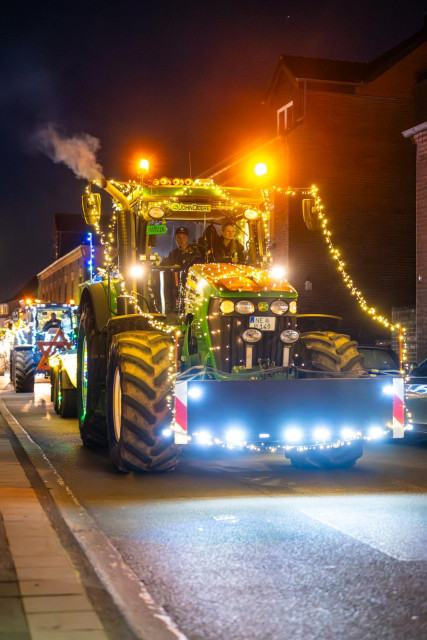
[(92, 424), (24, 369), (139, 393), (329, 352), (343, 457), (66, 400)]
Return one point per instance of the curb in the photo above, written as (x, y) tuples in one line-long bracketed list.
[(146, 620)]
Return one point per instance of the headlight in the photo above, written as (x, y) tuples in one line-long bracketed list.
[(289, 336), (348, 434), (279, 307), (156, 213), (251, 214), (245, 306), (252, 335), (235, 436), (321, 434), (376, 432), (226, 306), (293, 306), (293, 435)]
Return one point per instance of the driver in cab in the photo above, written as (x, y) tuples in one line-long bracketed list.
[(52, 323), (184, 255)]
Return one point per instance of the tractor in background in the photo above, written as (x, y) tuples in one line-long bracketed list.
[(34, 341)]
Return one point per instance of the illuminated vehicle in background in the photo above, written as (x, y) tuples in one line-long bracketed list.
[(4, 350), (211, 354), (416, 398), (33, 343)]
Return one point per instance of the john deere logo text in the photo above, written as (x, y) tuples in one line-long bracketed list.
[(190, 206)]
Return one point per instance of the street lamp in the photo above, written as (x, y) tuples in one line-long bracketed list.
[(260, 169)]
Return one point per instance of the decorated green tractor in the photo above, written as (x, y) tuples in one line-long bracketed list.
[(207, 350), (39, 330)]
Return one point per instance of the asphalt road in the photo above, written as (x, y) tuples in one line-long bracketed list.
[(244, 547)]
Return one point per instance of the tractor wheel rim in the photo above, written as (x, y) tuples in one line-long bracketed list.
[(117, 404), (84, 378)]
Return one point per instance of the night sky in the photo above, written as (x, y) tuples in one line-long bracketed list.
[(155, 79)]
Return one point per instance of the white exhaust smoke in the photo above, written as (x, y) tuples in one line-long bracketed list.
[(78, 153)]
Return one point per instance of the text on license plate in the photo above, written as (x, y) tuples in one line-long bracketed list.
[(263, 323)]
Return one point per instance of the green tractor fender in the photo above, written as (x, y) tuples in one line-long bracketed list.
[(95, 295)]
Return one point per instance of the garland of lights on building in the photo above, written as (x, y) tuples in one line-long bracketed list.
[(348, 281), (108, 240)]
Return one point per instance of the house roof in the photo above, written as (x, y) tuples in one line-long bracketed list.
[(323, 70)]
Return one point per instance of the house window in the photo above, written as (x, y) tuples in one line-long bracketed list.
[(285, 118)]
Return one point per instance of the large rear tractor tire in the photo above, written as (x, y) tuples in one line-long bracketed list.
[(92, 424), (329, 352), (24, 371), (139, 397), (343, 457)]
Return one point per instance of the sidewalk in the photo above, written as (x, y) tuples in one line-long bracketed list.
[(41, 594)]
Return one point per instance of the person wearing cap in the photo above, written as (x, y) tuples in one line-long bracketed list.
[(184, 255)]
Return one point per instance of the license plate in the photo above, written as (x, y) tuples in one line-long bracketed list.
[(262, 323)]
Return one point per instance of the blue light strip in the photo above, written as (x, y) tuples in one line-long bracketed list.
[(91, 259)]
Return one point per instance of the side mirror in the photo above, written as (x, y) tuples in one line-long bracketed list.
[(91, 205), (412, 367), (310, 215)]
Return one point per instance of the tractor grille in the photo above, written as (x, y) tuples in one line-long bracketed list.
[(229, 347)]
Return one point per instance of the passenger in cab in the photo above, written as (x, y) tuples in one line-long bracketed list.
[(228, 248)]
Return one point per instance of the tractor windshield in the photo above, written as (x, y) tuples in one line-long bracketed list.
[(191, 242), (206, 237)]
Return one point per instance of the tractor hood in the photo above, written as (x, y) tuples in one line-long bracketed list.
[(236, 277)]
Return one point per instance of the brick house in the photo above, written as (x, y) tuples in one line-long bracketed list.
[(60, 281), (340, 127), (418, 134)]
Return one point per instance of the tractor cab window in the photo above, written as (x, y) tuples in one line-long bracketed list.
[(165, 243)]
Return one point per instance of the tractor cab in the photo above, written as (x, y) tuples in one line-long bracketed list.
[(148, 219), (38, 320)]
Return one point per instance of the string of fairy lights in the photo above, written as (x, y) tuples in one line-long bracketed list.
[(348, 281), (131, 190)]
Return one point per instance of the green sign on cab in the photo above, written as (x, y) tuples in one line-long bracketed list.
[(153, 229)]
